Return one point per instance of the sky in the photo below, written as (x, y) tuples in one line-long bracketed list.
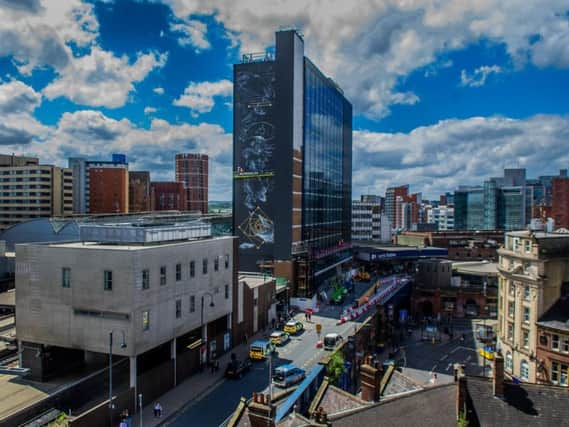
[(444, 92)]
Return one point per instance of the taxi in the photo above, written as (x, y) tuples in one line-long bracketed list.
[(279, 337), (260, 349), (293, 327)]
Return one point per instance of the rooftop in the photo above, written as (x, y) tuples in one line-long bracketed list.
[(557, 317), (255, 280), (476, 268)]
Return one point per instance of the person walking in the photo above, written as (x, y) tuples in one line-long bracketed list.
[(156, 410)]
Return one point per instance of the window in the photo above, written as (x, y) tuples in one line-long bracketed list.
[(526, 293), (525, 338), (527, 246), (510, 331), (178, 308), (543, 340), (559, 373), (526, 314), (108, 280), (163, 275), (216, 263), (511, 309), (192, 303), (509, 361), (512, 290), (565, 345), (226, 261), (524, 370), (145, 320), (226, 291), (563, 375), (555, 342), (178, 272), (516, 243), (192, 268), (145, 279), (204, 266), (65, 277)]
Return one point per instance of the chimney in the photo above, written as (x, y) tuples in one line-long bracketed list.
[(370, 379), (498, 381), (320, 418), (261, 411), (460, 379)]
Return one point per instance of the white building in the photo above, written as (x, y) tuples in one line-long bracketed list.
[(368, 223), (443, 216)]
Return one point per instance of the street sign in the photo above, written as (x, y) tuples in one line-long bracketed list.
[(318, 328)]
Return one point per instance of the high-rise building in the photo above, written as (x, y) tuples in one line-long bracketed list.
[(390, 206), (117, 202), (292, 144), (469, 208), (532, 273), (167, 196), (560, 202), (29, 190), (442, 216), (192, 171), (139, 191), (368, 223)]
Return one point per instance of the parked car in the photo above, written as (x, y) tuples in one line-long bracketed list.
[(237, 368), (288, 375), (279, 337), (259, 350), (330, 341), (293, 327)]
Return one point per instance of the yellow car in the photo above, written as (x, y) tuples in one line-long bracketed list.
[(279, 337), (293, 327), (259, 350)]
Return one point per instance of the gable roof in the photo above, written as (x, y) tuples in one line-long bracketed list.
[(557, 317)]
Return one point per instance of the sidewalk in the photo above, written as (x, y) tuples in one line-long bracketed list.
[(192, 389)]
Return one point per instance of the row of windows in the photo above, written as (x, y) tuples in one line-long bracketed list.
[(25, 172), (558, 343), (108, 274), (524, 366), (31, 179), (525, 335)]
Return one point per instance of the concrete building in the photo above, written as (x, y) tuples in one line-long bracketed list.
[(368, 223), (391, 195), (165, 291), (167, 196), (192, 171), (29, 190), (139, 191), (442, 216), (118, 182), (532, 270), (292, 172)]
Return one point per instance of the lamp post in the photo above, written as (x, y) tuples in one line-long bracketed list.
[(123, 345), (204, 330)]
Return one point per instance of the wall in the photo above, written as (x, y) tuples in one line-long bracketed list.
[(98, 416), (108, 190)]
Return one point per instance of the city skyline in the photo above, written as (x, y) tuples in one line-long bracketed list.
[(442, 96)]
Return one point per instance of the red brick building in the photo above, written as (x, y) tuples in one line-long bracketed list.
[(192, 171), (108, 190), (553, 344), (139, 191), (560, 202), (167, 196)]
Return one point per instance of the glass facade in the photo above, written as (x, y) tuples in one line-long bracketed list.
[(511, 208), (323, 189)]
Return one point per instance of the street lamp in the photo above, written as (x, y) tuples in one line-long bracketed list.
[(211, 304), (123, 346)]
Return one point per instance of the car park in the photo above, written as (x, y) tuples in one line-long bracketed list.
[(287, 375), (237, 368), (259, 350), (293, 327), (279, 337)]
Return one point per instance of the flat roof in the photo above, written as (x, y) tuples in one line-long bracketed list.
[(392, 248), (8, 298), (476, 267), (255, 280), (123, 247)]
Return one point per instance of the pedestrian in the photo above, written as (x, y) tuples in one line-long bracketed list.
[(159, 410), (273, 322), (123, 424), (306, 316), (156, 410), (246, 337)]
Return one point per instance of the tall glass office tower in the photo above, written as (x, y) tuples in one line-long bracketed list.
[(292, 166)]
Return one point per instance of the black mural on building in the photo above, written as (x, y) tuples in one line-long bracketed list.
[(254, 154)]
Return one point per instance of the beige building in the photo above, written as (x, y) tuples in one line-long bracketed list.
[(29, 190), (532, 268)]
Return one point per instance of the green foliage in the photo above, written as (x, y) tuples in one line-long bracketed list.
[(335, 367), (462, 421), (60, 421)]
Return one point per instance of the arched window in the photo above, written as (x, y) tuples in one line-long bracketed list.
[(509, 361), (524, 370)]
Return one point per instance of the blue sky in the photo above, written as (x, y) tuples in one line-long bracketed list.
[(444, 94)]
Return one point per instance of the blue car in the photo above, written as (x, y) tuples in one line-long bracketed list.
[(288, 375)]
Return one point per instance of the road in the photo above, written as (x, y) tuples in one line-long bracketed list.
[(213, 408)]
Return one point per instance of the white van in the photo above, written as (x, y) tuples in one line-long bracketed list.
[(331, 340)]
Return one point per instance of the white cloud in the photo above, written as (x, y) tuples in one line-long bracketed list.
[(158, 90), (149, 110), (438, 158), (192, 33), (102, 79), (199, 97), (479, 76), (371, 48)]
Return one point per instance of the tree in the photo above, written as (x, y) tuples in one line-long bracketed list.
[(335, 367)]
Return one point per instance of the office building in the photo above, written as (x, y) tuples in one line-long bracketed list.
[(167, 196), (192, 171), (532, 274), (368, 223), (29, 190), (165, 290), (442, 216), (292, 142), (469, 208), (110, 186), (391, 195), (139, 191), (560, 202)]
